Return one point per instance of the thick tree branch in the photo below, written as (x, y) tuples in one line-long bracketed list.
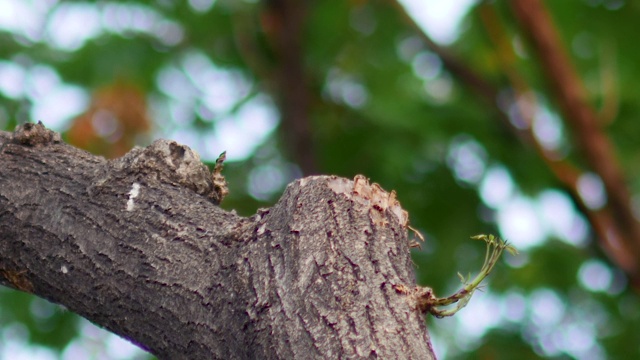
[(138, 245)]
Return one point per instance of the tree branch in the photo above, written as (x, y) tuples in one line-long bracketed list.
[(138, 245), (286, 29), (582, 119), (603, 221)]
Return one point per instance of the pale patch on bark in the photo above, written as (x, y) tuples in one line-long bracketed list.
[(133, 193)]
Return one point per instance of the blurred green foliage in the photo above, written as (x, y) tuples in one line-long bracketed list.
[(383, 106)]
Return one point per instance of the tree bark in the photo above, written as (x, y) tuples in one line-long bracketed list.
[(138, 245)]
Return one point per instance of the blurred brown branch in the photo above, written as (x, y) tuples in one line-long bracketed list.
[(283, 22), (581, 118), (616, 228), (568, 174)]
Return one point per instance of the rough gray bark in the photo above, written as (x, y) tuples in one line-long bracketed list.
[(138, 246)]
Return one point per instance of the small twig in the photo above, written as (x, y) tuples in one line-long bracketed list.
[(219, 182), (432, 304)]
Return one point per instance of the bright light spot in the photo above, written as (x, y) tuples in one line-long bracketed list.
[(266, 180), (440, 19), (12, 351), (238, 133), (24, 18), (519, 223), (201, 6), (53, 101), (346, 89), (199, 86), (591, 190), (547, 129), (16, 332), (57, 106), (42, 309), (77, 350), (105, 123), (426, 65), (514, 307), (618, 283), (181, 113), (124, 18), (496, 187), (190, 137), (578, 339), (221, 89), (595, 276), (119, 348), (561, 217), (12, 79), (550, 343), (175, 84), (96, 343), (14, 345), (439, 346), (13, 14), (518, 261), (478, 316), (354, 94), (169, 33), (409, 47), (129, 18), (466, 158), (241, 134), (118, 18), (520, 109), (547, 308), (440, 88), (42, 79), (72, 24)]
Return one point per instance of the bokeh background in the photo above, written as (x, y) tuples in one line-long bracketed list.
[(509, 117)]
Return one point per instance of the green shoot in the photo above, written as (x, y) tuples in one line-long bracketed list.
[(495, 247)]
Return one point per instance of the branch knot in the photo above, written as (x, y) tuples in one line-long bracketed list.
[(169, 162), (31, 134)]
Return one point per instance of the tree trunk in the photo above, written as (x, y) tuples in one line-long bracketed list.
[(138, 245)]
